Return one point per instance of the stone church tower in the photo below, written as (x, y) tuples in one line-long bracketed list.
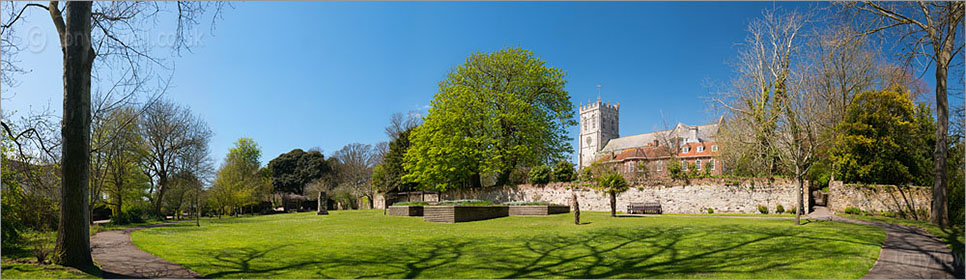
[(598, 124)]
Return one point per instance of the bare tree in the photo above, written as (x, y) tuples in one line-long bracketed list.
[(770, 114), (399, 123), (929, 30), (173, 140), (763, 67), (355, 169)]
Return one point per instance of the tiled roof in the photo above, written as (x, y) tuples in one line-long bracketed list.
[(706, 133)]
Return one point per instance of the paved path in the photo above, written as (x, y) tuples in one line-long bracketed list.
[(908, 253), (119, 258)]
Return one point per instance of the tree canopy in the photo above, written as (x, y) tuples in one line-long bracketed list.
[(886, 140), (388, 175), (494, 113), (293, 170)]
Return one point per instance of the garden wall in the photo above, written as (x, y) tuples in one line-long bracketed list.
[(880, 198), (722, 195)]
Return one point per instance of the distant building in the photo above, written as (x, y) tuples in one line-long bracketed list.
[(600, 141)]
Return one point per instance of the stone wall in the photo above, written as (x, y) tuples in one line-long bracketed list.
[(722, 195), (880, 198)]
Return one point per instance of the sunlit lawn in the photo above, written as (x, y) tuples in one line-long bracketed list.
[(366, 244)]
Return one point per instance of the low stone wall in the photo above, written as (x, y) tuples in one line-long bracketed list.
[(722, 195), (412, 211), (905, 200), (537, 210), (456, 214)]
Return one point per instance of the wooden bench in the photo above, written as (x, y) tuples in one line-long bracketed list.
[(652, 207)]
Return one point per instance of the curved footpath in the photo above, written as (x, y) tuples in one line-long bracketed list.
[(908, 253), (119, 258)]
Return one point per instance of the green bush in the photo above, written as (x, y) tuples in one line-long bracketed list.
[(763, 209), (131, 214), (345, 196), (466, 202), (540, 174), (779, 209), (674, 167), (519, 175), (564, 171), (526, 203), (710, 211), (853, 211), (411, 203)]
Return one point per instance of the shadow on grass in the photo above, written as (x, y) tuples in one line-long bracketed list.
[(659, 252)]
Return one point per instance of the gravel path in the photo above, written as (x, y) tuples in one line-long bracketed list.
[(119, 258)]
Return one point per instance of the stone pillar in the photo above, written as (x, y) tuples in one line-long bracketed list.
[(322, 209)]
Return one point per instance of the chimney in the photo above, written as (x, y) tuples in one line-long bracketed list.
[(655, 143)]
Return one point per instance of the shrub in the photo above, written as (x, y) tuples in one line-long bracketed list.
[(527, 203), (674, 167), (779, 209), (564, 171), (887, 214), (763, 209), (693, 171), (40, 245), (519, 176), (134, 213), (345, 197), (853, 211), (710, 211), (540, 174), (466, 202), (411, 203)]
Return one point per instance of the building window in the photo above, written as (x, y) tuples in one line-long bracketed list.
[(701, 148), (714, 148), (685, 149), (712, 164), (684, 165), (698, 164), (660, 165)]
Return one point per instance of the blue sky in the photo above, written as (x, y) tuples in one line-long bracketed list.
[(325, 74)]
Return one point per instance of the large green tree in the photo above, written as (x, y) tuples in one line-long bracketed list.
[(492, 114), (293, 170), (885, 140), (239, 182)]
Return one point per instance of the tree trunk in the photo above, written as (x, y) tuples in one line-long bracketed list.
[(801, 189), (323, 206), (475, 181), (576, 205), (938, 214), (73, 235), (613, 204), (162, 182), (197, 210)]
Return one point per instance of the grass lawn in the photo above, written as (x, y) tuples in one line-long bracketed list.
[(18, 261), (735, 215), (366, 244), (952, 235)]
